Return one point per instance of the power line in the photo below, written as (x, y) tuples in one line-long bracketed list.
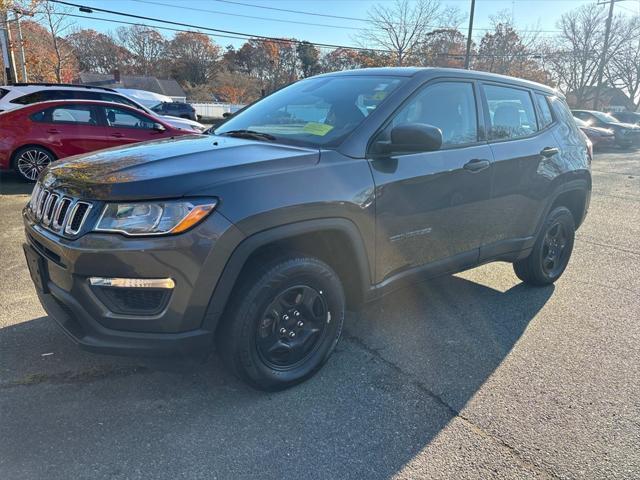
[(228, 32)]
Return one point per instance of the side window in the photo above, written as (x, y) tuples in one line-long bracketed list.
[(511, 112), (121, 118), (110, 97), (450, 106), (30, 98), (68, 114), (543, 105)]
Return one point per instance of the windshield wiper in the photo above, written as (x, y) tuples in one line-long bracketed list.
[(252, 134)]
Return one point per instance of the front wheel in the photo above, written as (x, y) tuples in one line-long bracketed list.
[(30, 161), (551, 252), (283, 322)]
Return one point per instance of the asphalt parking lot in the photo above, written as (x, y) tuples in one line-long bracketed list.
[(468, 376)]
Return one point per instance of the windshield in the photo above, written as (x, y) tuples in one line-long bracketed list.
[(316, 112), (605, 117)]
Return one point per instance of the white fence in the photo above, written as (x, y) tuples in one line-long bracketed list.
[(215, 110)]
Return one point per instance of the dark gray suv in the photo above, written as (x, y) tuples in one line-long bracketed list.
[(323, 195)]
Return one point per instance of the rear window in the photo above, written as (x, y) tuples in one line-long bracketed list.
[(511, 111), (546, 118)]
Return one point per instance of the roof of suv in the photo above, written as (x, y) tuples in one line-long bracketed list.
[(64, 86), (431, 72)]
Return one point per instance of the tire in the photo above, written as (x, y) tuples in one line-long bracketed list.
[(282, 323), (551, 251), (29, 162)]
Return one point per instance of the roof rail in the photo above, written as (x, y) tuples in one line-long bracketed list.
[(88, 87)]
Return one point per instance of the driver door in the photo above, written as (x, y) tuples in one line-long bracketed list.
[(431, 206), (127, 126)]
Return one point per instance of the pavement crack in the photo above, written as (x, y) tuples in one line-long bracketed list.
[(513, 451), (607, 245), (76, 377)]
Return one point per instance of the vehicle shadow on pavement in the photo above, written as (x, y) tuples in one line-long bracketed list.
[(407, 365), (10, 184)]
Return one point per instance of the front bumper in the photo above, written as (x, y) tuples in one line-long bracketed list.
[(194, 260)]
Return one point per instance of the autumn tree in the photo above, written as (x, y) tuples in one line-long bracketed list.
[(97, 52), (348, 59), (507, 52), (192, 57), (309, 57), (236, 88), (443, 47), (273, 63), (147, 47), (399, 27)]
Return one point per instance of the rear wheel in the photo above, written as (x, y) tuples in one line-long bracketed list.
[(551, 252), (283, 323), (30, 161)]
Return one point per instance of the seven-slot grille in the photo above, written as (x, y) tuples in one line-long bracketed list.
[(57, 212)]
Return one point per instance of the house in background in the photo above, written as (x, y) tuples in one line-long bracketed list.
[(611, 99), (167, 87)]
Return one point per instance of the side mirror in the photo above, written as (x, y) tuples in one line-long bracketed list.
[(412, 138), (158, 127), (227, 115)]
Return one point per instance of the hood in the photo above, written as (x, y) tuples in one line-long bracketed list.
[(597, 130), (181, 122), (170, 168), (629, 126)]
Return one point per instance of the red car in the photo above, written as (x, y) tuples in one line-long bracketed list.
[(600, 137), (34, 136)]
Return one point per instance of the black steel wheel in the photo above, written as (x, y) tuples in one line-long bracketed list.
[(283, 322), (292, 327), (552, 250), (30, 161)]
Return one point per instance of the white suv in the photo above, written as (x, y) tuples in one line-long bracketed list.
[(21, 94)]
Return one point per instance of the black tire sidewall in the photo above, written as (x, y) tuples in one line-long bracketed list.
[(563, 215), (286, 274)]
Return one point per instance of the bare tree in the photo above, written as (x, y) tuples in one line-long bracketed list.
[(623, 70), (400, 27), (57, 22), (147, 47), (575, 57)]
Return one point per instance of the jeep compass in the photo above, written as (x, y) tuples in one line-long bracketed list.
[(325, 194)]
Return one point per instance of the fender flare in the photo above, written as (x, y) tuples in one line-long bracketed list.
[(249, 245)]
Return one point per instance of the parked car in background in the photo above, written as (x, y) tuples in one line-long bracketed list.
[(625, 134), (176, 109), (600, 137), (627, 117), (34, 136), (21, 94)]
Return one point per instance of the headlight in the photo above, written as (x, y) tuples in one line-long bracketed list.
[(153, 218)]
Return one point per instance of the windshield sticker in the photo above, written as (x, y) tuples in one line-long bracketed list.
[(319, 129)]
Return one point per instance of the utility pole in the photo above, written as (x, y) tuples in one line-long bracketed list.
[(603, 58), (23, 59), (467, 57), (6, 48)]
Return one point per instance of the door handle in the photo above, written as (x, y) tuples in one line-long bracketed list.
[(549, 152), (117, 135), (53, 130), (476, 164)]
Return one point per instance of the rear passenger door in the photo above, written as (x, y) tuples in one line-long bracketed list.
[(431, 206), (522, 143)]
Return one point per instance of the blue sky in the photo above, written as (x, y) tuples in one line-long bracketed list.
[(236, 15)]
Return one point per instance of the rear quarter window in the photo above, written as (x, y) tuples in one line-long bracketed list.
[(3, 92)]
